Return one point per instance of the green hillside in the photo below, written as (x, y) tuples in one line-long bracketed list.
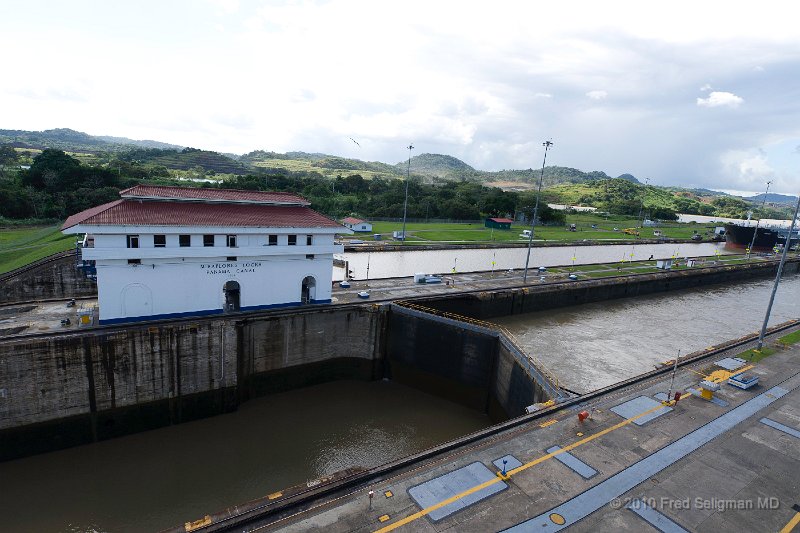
[(21, 246), (74, 141), (186, 159), (438, 165)]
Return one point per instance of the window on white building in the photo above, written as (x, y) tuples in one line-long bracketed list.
[(292, 240), (159, 241), (208, 240), (134, 261), (273, 240), (309, 240), (133, 241), (231, 240), (184, 240)]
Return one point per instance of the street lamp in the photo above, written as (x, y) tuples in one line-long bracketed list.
[(786, 247), (755, 231), (644, 193), (546, 144), (405, 202)]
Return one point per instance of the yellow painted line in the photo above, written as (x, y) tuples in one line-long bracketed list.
[(476, 488), (791, 524), (384, 518), (720, 376), (548, 423)]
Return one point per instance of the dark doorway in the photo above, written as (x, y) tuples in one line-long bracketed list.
[(232, 296), (308, 292)]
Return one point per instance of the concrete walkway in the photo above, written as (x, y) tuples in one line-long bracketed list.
[(700, 466)]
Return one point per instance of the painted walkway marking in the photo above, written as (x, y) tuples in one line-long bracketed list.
[(637, 405), (476, 488), (444, 487), (655, 518), (573, 463), (790, 525), (780, 427), (511, 463), (598, 496)]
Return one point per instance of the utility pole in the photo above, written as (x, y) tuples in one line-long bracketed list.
[(755, 231), (641, 209), (405, 202), (778, 276), (547, 145)]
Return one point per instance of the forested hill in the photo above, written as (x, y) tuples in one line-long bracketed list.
[(75, 141), (161, 157), (442, 166)]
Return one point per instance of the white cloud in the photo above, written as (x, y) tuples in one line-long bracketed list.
[(461, 80), (228, 6), (720, 99)]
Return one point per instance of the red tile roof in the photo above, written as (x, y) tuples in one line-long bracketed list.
[(166, 213), (502, 220), (212, 195), (351, 220)]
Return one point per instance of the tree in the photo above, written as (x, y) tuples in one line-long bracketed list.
[(53, 170), (8, 157)]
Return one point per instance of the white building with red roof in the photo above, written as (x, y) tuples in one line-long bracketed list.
[(163, 252), (356, 224)]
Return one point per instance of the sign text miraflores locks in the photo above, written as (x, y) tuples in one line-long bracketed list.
[(230, 268)]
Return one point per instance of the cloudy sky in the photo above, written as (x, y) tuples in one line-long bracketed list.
[(683, 93)]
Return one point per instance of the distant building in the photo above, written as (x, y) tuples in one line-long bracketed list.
[(565, 207), (172, 251), (357, 225), (498, 223)]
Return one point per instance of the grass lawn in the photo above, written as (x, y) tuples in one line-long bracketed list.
[(757, 356), (421, 233), (791, 338), (20, 246)]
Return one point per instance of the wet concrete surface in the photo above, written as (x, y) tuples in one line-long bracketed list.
[(43, 317)]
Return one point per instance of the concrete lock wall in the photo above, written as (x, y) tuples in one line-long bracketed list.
[(471, 364), (61, 390), (485, 305), (51, 277), (294, 350)]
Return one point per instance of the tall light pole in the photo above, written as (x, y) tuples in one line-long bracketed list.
[(755, 231), (778, 275), (644, 193), (546, 144), (405, 202)]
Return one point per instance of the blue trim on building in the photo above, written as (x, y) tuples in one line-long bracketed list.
[(158, 317), (269, 306)]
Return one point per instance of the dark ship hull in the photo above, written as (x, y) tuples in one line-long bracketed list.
[(740, 237)]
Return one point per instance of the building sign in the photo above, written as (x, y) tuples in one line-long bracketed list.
[(230, 268)]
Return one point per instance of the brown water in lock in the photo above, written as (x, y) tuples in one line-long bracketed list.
[(162, 478), (595, 345)]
